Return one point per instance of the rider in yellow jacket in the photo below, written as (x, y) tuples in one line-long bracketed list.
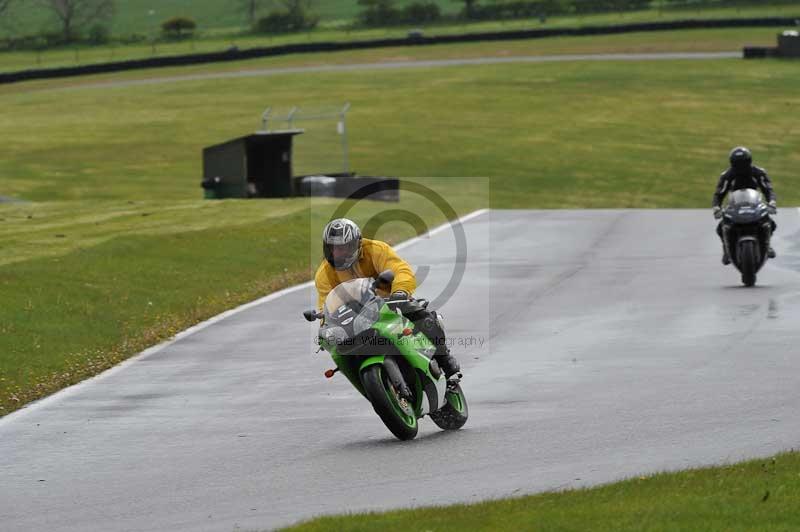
[(375, 257), (349, 256)]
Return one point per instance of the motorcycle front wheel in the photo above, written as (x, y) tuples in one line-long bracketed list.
[(395, 411), (747, 262)]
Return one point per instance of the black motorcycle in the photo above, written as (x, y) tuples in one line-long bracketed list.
[(746, 231)]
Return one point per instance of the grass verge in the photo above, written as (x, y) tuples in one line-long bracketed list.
[(574, 134), (754, 495)]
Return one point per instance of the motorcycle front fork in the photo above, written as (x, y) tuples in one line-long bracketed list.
[(765, 237)]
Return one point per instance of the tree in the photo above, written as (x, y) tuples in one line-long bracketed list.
[(250, 8), (3, 11), (379, 12), (298, 7), (176, 26), (73, 15), (469, 7), (294, 15), (420, 13)]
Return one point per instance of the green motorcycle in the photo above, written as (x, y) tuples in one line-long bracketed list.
[(379, 352)]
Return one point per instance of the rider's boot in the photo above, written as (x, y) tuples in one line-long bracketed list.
[(725, 258), (446, 361), (771, 252)]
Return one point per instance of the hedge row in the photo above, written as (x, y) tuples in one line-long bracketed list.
[(413, 40), (385, 12)]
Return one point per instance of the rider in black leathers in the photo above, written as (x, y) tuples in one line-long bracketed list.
[(742, 174)]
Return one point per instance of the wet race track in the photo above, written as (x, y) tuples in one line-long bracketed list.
[(596, 345)]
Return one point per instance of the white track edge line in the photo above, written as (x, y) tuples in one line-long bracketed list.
[(440, 228)]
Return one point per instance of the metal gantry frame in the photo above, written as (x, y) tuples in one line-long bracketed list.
[(295, 113)]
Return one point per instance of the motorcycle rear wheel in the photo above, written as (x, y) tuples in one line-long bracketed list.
[(394, 411), (454, 413)]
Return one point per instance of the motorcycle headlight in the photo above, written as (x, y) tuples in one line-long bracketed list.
[(333, 335)]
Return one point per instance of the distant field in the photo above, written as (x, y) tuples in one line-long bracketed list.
[(221, 28), (622, 128), (117, 251)]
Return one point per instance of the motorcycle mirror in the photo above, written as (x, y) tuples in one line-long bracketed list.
[(385, 279), (312, 315)]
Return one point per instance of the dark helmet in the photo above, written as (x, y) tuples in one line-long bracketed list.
[(344, 236), (740, 158)]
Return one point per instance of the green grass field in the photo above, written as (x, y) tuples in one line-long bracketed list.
[(94, 268), (752, 496), (220, 28)]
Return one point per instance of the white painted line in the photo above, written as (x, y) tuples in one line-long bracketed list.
[(440, 228), (75, 388)]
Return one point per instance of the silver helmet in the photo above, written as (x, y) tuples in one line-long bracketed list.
[(341, 243)]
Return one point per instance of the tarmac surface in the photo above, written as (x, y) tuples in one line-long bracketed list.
[(596, 345)]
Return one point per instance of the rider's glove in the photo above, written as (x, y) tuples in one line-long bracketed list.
[(398, 295), (772, 207), (717, 212)]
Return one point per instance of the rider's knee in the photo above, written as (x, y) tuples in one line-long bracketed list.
[(432, 325)]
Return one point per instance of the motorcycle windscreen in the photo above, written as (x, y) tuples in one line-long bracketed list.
[(352, 305), (744, 197), (746, 206)]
